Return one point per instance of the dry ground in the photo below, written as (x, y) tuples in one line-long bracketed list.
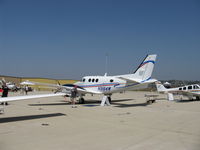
[(129, 124)]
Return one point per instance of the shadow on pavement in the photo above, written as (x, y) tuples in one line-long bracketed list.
[(87, 102), (186, 101), (129, 105), (31, 117), (49, 104)]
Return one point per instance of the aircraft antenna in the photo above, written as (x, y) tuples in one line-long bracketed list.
[(183, 82), (106, 65)]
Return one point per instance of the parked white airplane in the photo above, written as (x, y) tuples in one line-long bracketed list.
[(105, 85), (10, 85), (189, 90)]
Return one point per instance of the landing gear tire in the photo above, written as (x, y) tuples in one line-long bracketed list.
[(151, 102), (109, 99), (4, 103), (81, 101)]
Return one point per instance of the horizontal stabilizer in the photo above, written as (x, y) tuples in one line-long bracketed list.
[(130, 79), (138, 80)]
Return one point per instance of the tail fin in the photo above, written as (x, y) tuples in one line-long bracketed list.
[(145, 69), (160, 87)]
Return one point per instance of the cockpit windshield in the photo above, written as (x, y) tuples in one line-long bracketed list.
[(195, 86)]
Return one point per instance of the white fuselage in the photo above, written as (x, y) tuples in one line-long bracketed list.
[(11, 86), (195, 89), (106, 84)]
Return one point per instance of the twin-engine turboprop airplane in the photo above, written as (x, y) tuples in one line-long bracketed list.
[(106, 85), (189, 91)]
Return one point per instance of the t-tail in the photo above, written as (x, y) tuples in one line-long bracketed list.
[(145, 69)]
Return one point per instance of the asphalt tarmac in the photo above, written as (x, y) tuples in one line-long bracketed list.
[(128, 124)]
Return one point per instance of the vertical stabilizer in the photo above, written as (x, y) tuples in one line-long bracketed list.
[(145, 69), (160, 87)]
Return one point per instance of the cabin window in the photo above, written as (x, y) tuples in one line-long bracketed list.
[(97, 80), (111, 80), (93, 80), (89, 80), (184, 88), (189, 87), (180, 89)]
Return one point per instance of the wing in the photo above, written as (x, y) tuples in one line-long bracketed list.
[(63, 88), (42, 84), (16, 98)]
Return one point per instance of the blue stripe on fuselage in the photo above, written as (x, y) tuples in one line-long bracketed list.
[(99, 85), (114, 84)]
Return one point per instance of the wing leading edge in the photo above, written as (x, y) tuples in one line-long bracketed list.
[(16, 98)]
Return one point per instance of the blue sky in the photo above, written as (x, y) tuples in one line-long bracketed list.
[(70, 39)]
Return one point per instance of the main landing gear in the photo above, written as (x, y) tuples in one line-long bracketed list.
[(81, 100), (109, 99), (4, 103), (106, 100)]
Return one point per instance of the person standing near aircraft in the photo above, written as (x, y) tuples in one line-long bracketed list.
[(73, 96), (5, 93), (26, 89)]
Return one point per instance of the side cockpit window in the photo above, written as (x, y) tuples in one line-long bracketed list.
[(93, 80), (190, 87), (195, 87), (83, 80)]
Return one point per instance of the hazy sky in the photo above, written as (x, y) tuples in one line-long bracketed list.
[(70, 38)]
